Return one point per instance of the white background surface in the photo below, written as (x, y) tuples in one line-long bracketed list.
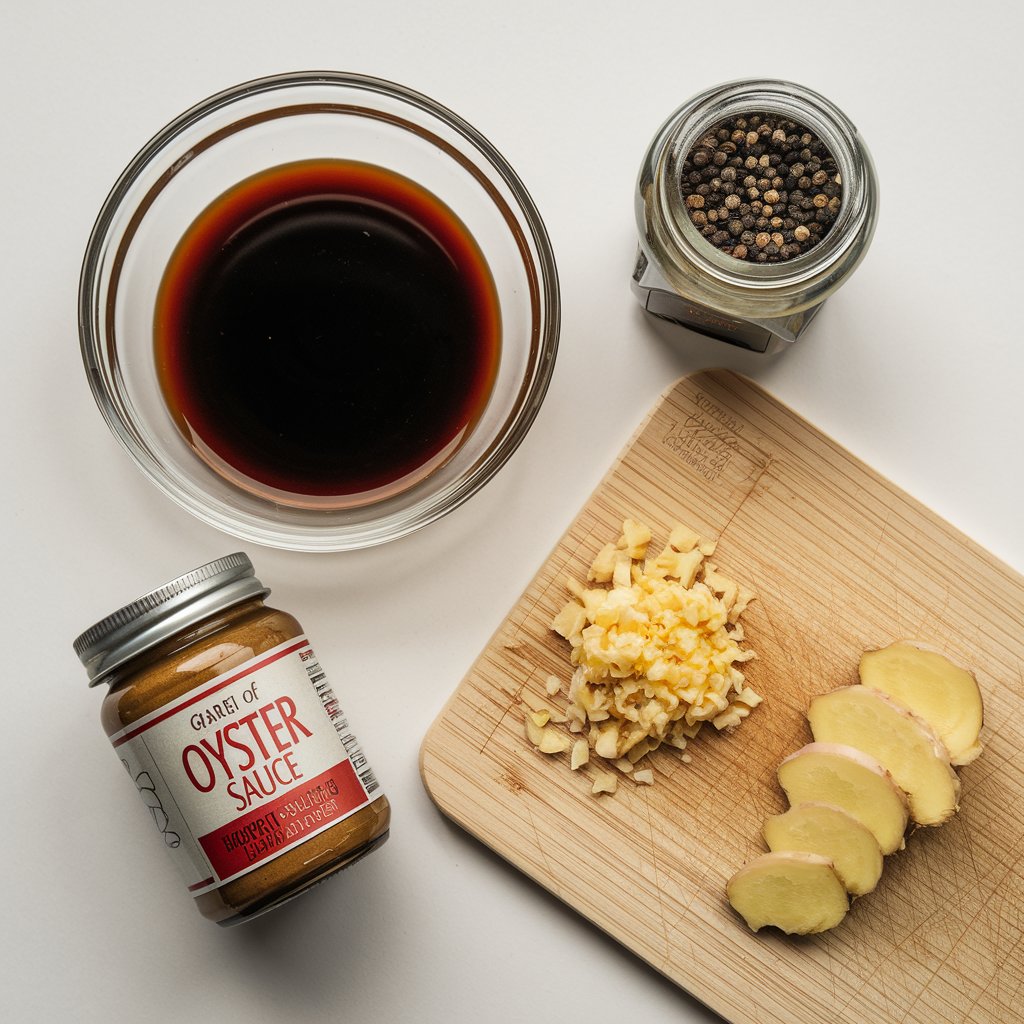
[(915, 366)]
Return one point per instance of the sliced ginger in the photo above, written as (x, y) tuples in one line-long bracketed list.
[(797, 892), (877, 759), (898, 739), (851, 780), (945, 695), (832, 833)]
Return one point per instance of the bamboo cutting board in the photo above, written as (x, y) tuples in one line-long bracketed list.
[(841, 560)]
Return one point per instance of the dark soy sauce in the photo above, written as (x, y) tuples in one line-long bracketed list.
[(327, 333)]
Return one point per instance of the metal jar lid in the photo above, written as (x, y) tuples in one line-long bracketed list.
[(144, 623)]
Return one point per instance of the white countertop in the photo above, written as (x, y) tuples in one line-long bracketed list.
[(915, 366)]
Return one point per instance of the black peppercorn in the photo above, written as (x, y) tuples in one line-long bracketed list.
[(761, 188)]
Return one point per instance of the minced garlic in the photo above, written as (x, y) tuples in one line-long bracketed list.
[(657, 652)]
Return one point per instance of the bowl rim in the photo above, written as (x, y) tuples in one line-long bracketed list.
[(262, 529)]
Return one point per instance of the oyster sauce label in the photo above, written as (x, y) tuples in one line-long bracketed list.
[(247, 766)]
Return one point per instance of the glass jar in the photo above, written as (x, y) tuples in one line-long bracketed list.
[(231, 733), (681, 277)]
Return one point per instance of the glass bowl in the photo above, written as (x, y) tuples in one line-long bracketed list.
[(241, 132)]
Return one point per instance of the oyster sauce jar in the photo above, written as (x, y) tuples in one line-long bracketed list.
[(228, 728), (681, 277)]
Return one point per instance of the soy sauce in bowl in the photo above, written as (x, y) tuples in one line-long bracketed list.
[(327, 334)]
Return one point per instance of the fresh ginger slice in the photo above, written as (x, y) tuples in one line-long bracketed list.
[(945, 695), (833, 834), (847, 778), (902, 743), (797, 892)]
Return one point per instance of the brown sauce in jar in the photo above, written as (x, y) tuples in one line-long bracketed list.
[(185, 672)]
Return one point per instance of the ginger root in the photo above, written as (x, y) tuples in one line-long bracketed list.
[(797, 892), (898, 739), (945, 695)]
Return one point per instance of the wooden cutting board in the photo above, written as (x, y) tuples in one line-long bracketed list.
[(841, 560)]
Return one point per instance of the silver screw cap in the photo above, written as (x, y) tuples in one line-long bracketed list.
[(150, 619)]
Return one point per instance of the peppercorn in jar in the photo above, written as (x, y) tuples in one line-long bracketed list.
[(226, 724), (755, 202)]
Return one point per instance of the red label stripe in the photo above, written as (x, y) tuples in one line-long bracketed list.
[(262, 834), (219, 685)]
